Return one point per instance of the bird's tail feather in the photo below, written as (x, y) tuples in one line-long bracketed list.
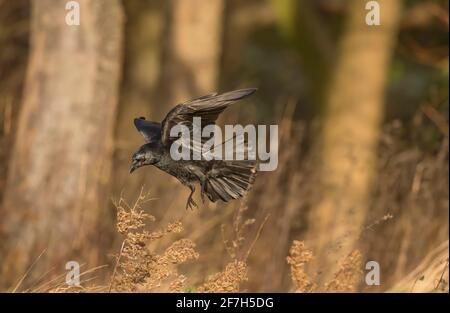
[(231, 180)]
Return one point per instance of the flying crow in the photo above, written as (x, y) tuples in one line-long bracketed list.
[(219, 179)]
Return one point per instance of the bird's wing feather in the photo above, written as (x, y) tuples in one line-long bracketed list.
[(207, 107), (150, 130)]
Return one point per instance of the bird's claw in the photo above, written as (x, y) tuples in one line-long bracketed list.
[(190, 203), (202, 195), (203, 191)]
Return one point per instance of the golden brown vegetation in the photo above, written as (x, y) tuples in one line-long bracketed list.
[(298, 258), (431, 275), (346, 279), (139, 269)]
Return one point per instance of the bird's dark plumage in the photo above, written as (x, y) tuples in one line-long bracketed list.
[(219, 179), (150, 130)]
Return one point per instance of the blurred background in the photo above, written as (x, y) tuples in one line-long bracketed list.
[(363, 130)]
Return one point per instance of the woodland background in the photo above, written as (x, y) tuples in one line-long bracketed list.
[(363, 114)]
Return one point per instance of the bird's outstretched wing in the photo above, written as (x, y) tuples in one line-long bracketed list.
[(150, 130), (207, 107)]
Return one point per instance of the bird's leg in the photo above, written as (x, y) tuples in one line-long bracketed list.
[(190, 202), (203, 190)]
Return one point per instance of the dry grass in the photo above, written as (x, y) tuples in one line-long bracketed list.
[(412, 185), (228, 280), (236, 271), (140, 269), (431, 275), (346, 279), (298, 258)]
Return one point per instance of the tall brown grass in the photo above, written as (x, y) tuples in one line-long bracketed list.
[(139, 268)]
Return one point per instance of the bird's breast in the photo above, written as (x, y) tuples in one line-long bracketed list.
[(184, 171)]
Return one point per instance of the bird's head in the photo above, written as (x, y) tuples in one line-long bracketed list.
[(146, 155)]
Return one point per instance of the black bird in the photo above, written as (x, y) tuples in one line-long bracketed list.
[(219, 179)]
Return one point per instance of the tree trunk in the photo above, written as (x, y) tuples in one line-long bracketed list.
[(193, 48), (353, 114), (57, 188), (297, 20), (14, 36)]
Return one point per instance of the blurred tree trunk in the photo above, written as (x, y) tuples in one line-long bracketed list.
[(242, 17), (57, 188), (14, 37), (301, 26), (193, 48), (348, 143), (144, 30)]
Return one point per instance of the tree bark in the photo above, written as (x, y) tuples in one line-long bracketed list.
[(348, 143), (57, 188)]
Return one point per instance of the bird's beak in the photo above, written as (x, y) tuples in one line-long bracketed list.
[(133, 166)]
